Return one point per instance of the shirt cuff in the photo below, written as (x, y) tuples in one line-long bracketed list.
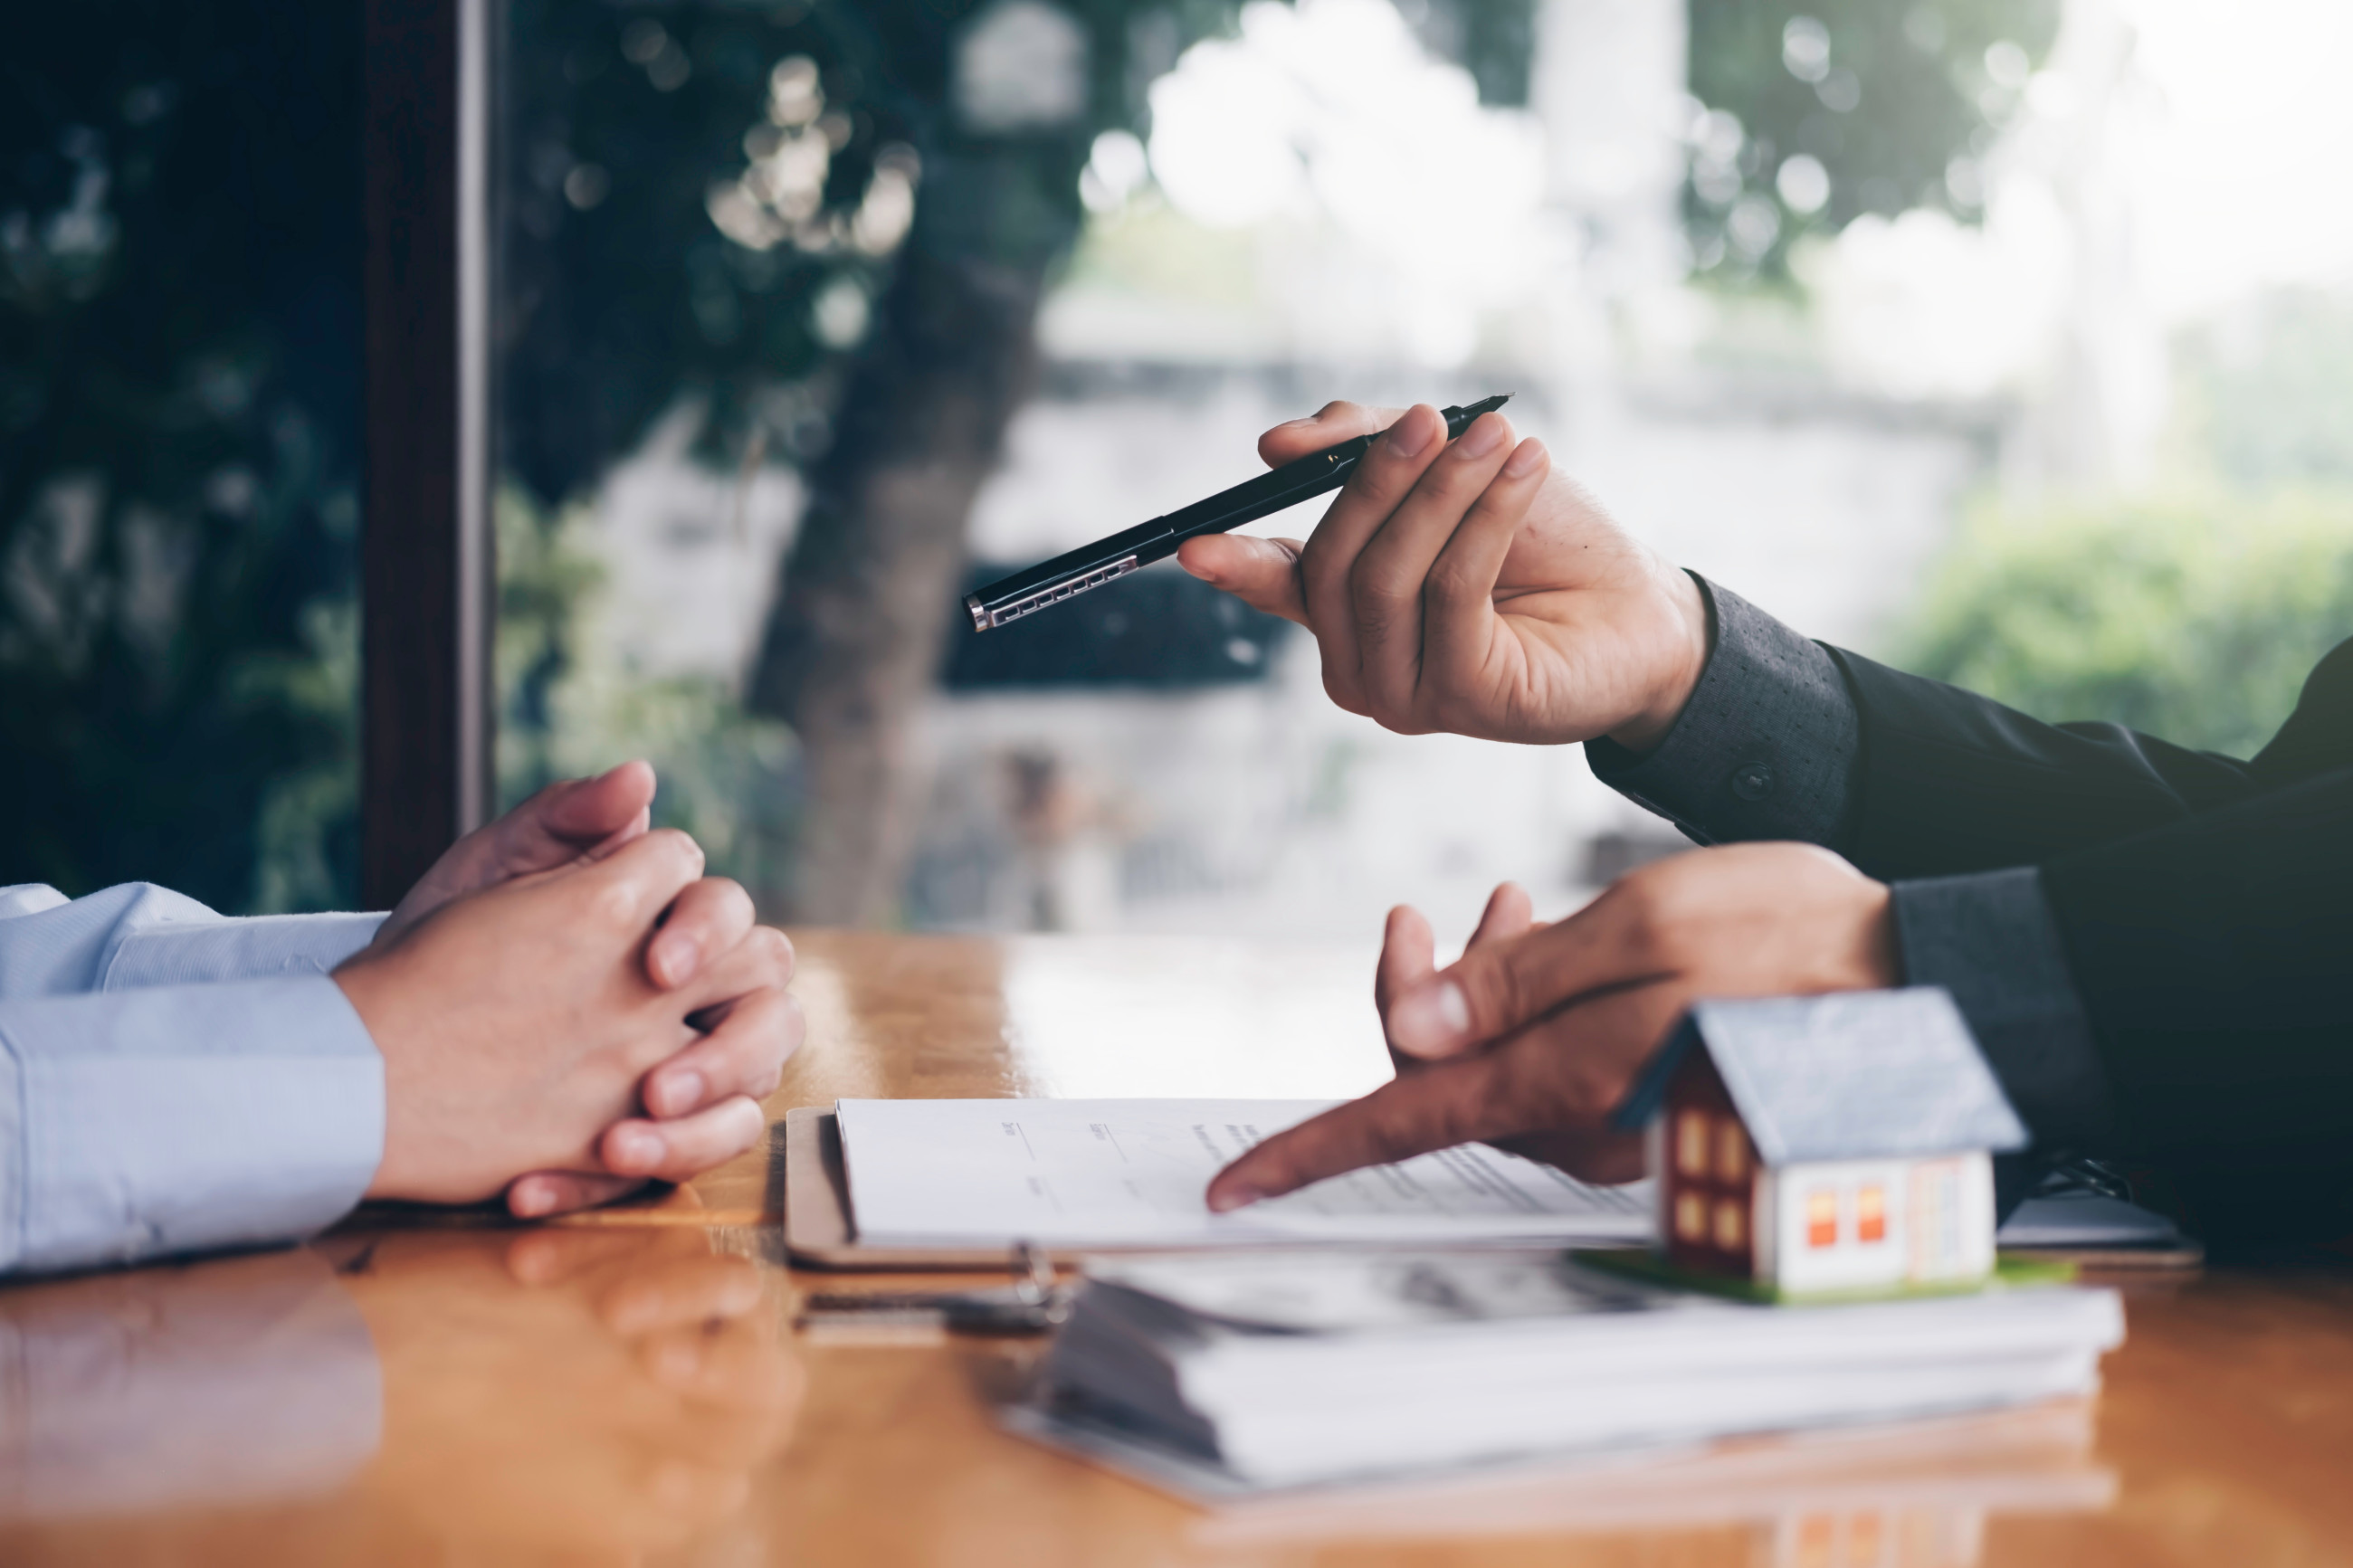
[(1990, 940), (258, 947), (182, 1118), (1764, 749)]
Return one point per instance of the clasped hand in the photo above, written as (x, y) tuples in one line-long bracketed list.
[(567, 1007)]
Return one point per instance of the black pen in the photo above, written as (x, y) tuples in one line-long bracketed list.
[(1092, 565)]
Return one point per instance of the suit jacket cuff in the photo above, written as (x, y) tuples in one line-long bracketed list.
[(1990, 940), (1765, 748)]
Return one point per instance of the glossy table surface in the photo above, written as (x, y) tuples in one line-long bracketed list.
[(627, 1386)]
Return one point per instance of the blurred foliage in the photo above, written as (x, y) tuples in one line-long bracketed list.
[(2196, 612), (572, 705), (1896, 104), (2195, 620), (179, 262)]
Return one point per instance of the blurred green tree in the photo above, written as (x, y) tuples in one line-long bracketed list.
[(179, 265), (2192, 619), (1825, 109), (2193, 613)]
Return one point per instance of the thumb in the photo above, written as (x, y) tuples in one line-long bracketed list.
[(1262, 572), (1409, 955), (596, 815), (1506, 982)]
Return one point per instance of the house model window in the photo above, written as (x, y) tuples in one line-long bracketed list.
[(1827, 1144)]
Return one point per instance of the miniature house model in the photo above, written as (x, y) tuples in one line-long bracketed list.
[(1824, 1145)]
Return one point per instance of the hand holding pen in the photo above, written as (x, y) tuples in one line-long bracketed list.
[(1074, 572), (1467, 588)]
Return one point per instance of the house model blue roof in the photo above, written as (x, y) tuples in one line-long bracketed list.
[(1857, 1075)]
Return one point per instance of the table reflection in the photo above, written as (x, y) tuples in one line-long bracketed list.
[(593, 1395)]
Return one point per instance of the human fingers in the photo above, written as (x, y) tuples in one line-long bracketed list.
[(1458, 604), (1560, 1085), (1327, 426), (1498, 986), (1409, 955), (1388, 577), (745, 1371), (598, 814), (545, 1193), (1509, 914), (634, 884), (707, 919), (1262, 572), (1385, 476), (744, 1053), (705, 1287), (680, 1150), (762, 960), (1436, 1107), (1593, 1053)]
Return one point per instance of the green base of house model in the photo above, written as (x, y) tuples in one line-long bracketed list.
[(2010, 1271)]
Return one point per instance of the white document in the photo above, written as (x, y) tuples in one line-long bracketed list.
[(1134, 1172)]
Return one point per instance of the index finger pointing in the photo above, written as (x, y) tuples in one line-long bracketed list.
[(1437, 1108)]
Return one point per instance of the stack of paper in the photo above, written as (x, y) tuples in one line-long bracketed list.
[(1293, 1369)]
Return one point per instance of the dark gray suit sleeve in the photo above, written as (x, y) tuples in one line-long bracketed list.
[(1989, 938), (1767, 748)]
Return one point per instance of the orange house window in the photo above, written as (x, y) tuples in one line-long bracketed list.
[(1821, 1217), (1731, 1150), (1870, 1214), (1731, 1225), (1690, 1217), (1690, 1143)]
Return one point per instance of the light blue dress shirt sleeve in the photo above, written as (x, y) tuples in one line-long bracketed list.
[(172, 1080)]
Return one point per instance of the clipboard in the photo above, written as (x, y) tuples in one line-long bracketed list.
[(820, 1232)]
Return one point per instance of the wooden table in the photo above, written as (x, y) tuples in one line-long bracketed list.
[(626, 1387)]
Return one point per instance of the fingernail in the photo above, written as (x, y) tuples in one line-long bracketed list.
[(1430, 1021), (676, 957), (1409, 435), (1524, 459), (1233, 1195), (1482, 438), (530, 1199), (681, 1091), (637, 1147)]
